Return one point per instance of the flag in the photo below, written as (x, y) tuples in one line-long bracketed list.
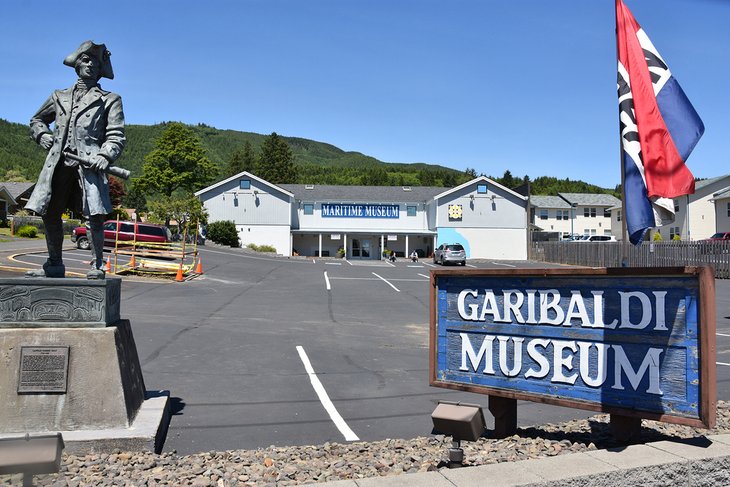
[(659, 129)]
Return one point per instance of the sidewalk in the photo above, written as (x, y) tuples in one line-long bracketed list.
[(697, 462)]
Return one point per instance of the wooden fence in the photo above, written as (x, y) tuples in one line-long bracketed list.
[(648, 254)]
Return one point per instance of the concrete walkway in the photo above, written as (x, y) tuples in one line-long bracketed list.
[(697, 462)]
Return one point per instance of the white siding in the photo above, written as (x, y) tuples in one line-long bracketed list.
[(722, 215), (275, 235)]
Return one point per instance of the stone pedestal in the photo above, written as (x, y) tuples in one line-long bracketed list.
[(69, 364)]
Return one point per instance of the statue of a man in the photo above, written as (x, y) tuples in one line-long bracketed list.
[(88, 126)]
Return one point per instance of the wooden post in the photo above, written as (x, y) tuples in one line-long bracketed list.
[(504, 411), (625, 428)]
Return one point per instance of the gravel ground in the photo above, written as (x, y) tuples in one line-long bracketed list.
[(280, 466)]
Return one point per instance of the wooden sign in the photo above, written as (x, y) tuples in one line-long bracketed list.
[(628, 341)]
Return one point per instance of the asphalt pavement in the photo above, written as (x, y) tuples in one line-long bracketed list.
[(266, 351)]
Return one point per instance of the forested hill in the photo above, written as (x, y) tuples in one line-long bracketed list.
[(21, 158)]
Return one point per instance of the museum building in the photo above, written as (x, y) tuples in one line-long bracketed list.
[(360, 222)]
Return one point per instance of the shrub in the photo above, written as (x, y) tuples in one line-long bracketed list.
[(223, 233), (261, 248), (657, 237), (27, 231)]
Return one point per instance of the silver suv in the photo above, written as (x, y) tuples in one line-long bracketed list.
[(449, 253)]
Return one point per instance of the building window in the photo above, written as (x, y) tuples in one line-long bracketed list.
[(308, 209), (482, 188), (606, 213), (676, 207), (244, 184), (618, 215), (563, 215), (543, 214), (589, 212), (728, 209), (674, 231), (411, 210)]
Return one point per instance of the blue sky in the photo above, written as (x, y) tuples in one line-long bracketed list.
[(524, 85)]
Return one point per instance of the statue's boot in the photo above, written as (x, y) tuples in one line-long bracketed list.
[(49, 270), (95, 274)]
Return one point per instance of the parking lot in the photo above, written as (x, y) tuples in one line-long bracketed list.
[(266, 351)]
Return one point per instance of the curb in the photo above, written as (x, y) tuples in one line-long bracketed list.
[(698, 461)]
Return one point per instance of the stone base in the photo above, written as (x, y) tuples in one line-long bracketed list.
[(104, 387), (147, 432)]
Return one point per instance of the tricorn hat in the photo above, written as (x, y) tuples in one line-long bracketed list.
[(99, 51)]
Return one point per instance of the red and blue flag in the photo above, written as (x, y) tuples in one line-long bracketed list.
[(659, 129)]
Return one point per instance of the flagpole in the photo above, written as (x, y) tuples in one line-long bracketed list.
[(624, 228)]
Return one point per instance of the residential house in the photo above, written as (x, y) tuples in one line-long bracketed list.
[(13, 197), (696, 216)]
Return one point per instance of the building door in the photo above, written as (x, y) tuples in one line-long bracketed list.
[(361, 248)]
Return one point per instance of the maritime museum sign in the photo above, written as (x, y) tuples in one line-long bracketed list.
[(348, 210)]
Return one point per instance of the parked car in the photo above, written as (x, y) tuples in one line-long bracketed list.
[(597, 238), (450, 253), (719, 237), (146, 233)]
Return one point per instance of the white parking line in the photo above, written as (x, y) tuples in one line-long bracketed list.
[(430, 265), (506, 265), (722, 334), (390, 263), (424, 275), (416, 266), (348, 261), (385, 281), (472, 266), (324, 398), (722, 363), (333, 263), (327, 281)]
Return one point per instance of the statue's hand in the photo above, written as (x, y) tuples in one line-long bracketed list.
[(99, 163), (46, 141)]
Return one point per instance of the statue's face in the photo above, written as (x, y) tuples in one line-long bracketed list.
[(88, 67)]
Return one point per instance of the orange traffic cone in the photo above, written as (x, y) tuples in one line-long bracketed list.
[(132, 262), (179, 276), (108, 267), (199, 267)]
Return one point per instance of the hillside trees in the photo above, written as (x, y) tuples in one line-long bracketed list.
[(243, 159), (276, 162)]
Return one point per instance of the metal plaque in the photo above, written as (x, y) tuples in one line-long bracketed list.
[(43, 370)]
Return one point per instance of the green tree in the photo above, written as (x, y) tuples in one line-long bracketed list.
[(243, 159), (470, 172), (15, 176), (426, 178), (135, 199), (276, 162), (185, 210), (177, 163), (376, 176)]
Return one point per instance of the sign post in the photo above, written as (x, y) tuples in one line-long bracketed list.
[(632, 342)]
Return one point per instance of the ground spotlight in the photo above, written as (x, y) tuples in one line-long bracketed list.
[(460, 421)]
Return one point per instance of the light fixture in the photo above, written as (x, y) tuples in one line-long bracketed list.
[(461, 422), (31, 455)]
